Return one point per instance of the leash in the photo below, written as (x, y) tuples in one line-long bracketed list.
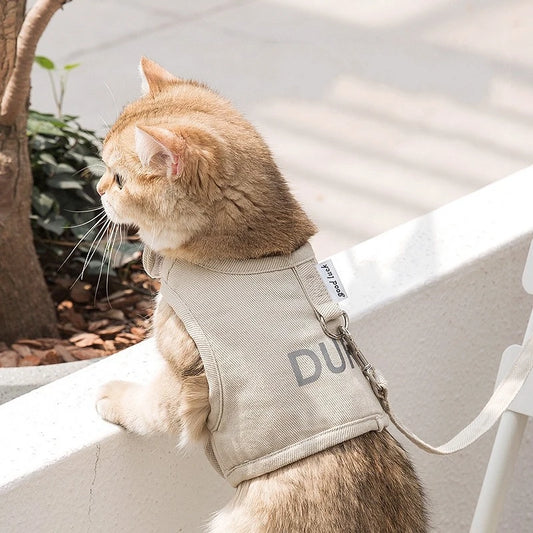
[(500, 400)]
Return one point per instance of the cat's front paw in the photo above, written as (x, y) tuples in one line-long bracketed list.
[(131, 406), (112, 404)]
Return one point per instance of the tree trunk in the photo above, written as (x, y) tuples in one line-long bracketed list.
[(26, 309)]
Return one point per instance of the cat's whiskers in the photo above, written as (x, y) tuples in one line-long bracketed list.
[(94, 247), (120, 228), (100, 208), (114, 103), (104, 122), (99, 215), (114, 232), (95, 225), (106, 248), (88, 258), (89, 167)]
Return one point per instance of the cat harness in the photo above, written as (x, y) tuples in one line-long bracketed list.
[(280, 388)]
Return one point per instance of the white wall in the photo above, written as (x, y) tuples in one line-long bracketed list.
[(437, 300), (433, 303)]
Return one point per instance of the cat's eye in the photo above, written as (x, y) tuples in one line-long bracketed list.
[(118, 180)]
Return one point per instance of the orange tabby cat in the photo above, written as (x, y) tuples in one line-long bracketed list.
[(200, 184)]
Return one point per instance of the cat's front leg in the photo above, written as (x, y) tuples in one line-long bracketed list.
[(142, 409)]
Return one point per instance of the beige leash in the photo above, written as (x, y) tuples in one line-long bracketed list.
[(500, 400)]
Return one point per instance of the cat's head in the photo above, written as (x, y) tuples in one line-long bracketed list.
[(195, 177)]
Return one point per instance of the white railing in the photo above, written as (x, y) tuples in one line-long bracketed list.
[(432, 303)]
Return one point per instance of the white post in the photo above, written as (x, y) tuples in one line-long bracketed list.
[(499, 472)]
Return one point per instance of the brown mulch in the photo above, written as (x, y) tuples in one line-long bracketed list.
[(91, 325)]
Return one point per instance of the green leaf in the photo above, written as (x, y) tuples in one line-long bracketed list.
[(47, 158), (39, 115), (126, 252), (36, 126), (85, 197), (91, 160), (60, 152), (44, 62), (41, 202), (75, 158), (63, 168), (80, 231), (93, 267), (95, 166), (71, 66), (55, 223), (63, 182), (48, 117), (36, 145)]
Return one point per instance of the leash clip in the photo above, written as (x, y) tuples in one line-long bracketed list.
[(376, 381), (329, 333)]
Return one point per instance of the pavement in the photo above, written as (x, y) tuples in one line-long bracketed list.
[(377, 112)]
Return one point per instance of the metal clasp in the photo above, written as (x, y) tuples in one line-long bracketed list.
[(332, 335), (352, 349)]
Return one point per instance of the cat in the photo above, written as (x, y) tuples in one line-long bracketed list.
[(200, 184)]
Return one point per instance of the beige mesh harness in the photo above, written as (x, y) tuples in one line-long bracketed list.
[(279, 388)]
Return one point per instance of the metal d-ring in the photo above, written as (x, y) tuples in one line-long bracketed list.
[(342, 328), (352, 350)]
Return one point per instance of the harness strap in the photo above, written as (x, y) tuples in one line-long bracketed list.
[(500, 400), (317, 294), (152, 262)]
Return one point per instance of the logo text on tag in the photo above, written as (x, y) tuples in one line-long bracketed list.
[(331, 280)]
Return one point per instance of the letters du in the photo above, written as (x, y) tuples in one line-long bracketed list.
[(308, 362)]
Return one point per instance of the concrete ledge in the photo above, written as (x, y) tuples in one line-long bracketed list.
[(20, 380), (64, 469), (435, 246), (432, 303)]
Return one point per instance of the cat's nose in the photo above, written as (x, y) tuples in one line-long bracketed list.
[(100, 189)]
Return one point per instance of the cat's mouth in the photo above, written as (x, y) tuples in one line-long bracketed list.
[(110, 211)]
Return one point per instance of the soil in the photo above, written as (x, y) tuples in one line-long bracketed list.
[(95, 318)]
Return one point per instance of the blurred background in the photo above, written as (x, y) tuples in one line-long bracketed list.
[(377, 112)]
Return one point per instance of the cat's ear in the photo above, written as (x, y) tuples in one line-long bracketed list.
[(154, 77), (160, 149)]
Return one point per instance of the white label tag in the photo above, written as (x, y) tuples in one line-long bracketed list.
[(331, 280)]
